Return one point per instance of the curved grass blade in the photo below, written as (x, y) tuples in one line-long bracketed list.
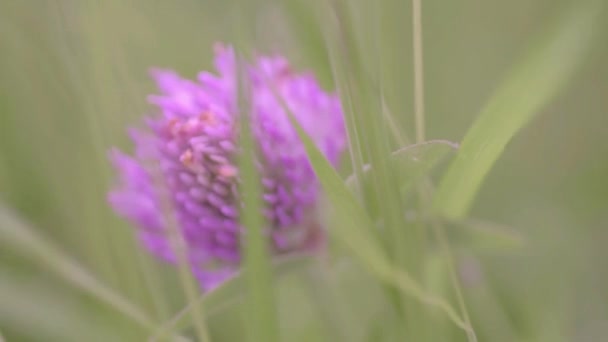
[(17, 235), (413, 161), (29, 306), (350, 226), (229, 293), (531, 84)]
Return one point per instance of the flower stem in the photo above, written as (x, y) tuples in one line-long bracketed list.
[(418, 70)]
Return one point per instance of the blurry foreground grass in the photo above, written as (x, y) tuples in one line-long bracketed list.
[(519, 258)]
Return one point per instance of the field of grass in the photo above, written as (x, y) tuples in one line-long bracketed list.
[(472, 204)]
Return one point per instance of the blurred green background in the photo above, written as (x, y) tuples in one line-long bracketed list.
[(73, 76)]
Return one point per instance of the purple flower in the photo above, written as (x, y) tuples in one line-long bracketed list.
[(185, 162)]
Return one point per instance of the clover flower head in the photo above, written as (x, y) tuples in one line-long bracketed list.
[(186, 161)]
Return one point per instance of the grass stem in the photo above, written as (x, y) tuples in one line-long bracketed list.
[(418, 70)]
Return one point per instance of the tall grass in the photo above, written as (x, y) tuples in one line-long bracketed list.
[(408, 257)]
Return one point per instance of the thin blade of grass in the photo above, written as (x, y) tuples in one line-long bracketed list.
[(229, 293), (180, 248), (349, 225), (57, 316), (418, 70), (336, 39), (19, 236), (100, 81), (261, 308), (413, 161), (531, 84), (493, 319), (354, 56), (308, 35)]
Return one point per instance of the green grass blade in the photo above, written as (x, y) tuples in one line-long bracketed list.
[(57, 316), (229, 293), (17, 235), (261, 308), (413, 161), (529, 86), (349, 225)]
